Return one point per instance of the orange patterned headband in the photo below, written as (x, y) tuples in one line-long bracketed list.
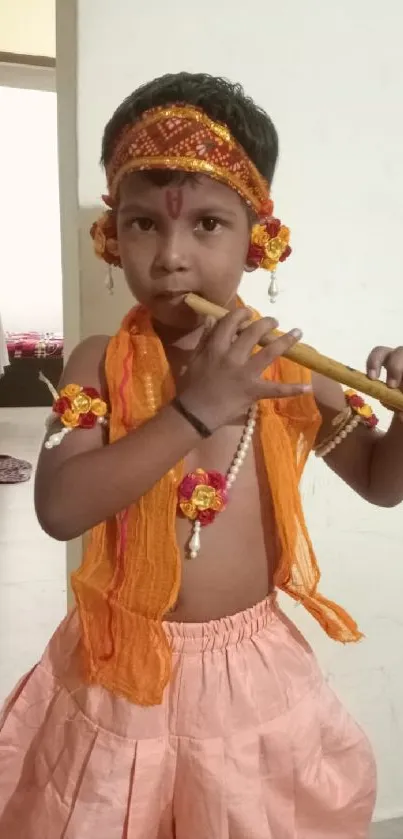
[(184, 138)]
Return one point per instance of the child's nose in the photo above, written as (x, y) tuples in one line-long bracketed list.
[(172, 255)]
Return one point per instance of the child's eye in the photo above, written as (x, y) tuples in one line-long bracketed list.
[(208, 224), (142, 223)]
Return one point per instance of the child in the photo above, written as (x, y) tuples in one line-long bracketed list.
[(177, 700)]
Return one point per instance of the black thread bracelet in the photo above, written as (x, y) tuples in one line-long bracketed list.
[(198, 425)]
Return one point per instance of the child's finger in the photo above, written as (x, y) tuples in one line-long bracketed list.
[(376, 361), (208, 327), (276, 390), (394, 367), (226, 329), (249, 337), (274, 349)]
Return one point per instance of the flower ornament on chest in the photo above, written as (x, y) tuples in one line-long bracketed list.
[(202, 495)]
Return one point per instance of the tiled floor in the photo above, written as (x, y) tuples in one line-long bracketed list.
[(388, 830), (32, 566)]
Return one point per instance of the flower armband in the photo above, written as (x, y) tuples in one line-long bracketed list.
[(76, 407), (361, 409), (357, 412)]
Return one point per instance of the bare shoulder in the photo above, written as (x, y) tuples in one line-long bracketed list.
[(86, 364)]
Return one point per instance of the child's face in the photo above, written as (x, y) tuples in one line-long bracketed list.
[(186, 237)]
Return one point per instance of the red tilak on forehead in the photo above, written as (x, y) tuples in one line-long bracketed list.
[(174, 202)]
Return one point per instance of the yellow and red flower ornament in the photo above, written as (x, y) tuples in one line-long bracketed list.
[(76, 407), (269, 245), (104, 235), (202, 495), (357, 412), (361, 408)]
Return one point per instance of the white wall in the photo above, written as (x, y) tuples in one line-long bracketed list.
[(30, 273), (331, 77)]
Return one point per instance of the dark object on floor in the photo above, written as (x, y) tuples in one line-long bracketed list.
[(20, 386), (13, 470)]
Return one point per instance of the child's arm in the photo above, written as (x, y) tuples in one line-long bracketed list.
[(367, 460), (84, 481)]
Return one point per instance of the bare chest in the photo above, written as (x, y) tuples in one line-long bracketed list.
[(239, 550)]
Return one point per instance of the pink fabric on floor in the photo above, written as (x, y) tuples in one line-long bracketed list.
[(249, 743)]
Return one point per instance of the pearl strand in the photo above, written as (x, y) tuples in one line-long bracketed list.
[(326, 448), (58, 437), (243, 447), (232, 474)]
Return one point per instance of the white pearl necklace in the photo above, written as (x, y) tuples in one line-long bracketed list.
[(232, 474)]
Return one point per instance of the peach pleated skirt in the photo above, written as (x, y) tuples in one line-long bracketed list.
[(249, 743)]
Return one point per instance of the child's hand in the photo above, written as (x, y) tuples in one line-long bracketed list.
[(392, 361), (224, 378)]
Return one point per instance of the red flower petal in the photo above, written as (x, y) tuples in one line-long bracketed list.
[(356, 401), (110, 259), (217, 480), (255, 255), (88, 420), (61, 405), (187, 486), (92, 392), (272, 227), (285, 254), (206, 517)]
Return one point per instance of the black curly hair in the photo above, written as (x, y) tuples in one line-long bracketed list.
[(221, 100)]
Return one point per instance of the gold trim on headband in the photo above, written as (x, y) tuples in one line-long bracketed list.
[(187, 164), (186, 112)]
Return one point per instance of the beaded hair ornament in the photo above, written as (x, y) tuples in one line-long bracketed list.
[(183, 138)]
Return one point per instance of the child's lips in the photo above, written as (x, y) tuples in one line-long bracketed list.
[(173, 297)]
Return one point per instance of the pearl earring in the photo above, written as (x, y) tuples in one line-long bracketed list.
[(109, 281), (273, 288)]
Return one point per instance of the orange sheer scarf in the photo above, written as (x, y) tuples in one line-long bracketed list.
[(131, 572)]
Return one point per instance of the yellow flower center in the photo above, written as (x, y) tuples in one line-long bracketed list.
[(275, 249), (203, 497), (82, 403)]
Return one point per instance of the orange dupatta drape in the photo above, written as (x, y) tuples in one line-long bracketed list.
[(130, 576)]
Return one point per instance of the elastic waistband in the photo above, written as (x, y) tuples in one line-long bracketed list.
[(222, 633)]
